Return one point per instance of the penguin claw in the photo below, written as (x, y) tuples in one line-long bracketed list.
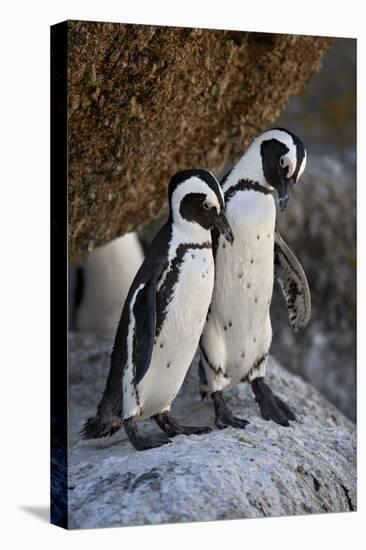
[(224, 416), (273, 412), (286, 409), (142, 442), (197, 430), (152, 442), (172, 428), (192, 430), (173, 431), (224, 421), (271, 407)]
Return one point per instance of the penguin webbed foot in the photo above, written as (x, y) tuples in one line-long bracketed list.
[(172, 428), (271, 407), (143, 442), (224, 417)]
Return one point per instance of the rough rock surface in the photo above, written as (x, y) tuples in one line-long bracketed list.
[(145, 101), (320, 226), (266, 470)]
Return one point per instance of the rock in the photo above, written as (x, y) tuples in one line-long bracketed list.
[(320, 226), (265, 470), (146, 101), (324, 112)]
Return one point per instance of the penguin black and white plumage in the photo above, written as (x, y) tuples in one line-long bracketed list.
[(237, 336), (163, 316), (106, 277)]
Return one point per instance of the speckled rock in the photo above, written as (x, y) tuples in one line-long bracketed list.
[(264, 470), (145, 101)]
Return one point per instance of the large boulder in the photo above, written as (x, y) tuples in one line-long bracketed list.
[(146, 101), (320, 226), (265, 470)]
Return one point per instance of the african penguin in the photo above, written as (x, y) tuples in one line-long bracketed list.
[(163, 316), (107, 274), (237, 336)]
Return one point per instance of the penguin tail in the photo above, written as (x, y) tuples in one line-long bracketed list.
[(108, 418), (96, 427)]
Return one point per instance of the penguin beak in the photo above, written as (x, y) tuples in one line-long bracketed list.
[(284, 190), (224, 227)]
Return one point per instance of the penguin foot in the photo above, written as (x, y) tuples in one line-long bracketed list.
[(271, 407), (224, 415), (172, 428), (140, 442)]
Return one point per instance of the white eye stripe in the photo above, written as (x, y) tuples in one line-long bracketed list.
[(218, 187), (192, 185), (302, 167), (286, 162)]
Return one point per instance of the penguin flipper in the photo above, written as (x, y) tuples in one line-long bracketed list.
[(145, 318), (110, 409), (293, 282)]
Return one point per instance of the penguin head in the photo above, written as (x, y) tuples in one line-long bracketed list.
[(196, 201), (283, 159)]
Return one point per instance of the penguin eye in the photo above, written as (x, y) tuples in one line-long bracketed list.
[(206, 205), (282, 162)]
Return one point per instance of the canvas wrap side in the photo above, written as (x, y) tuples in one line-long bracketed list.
[(59, 179)]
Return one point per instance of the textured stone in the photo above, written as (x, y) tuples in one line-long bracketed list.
[(320, 226), (264, 470), (146, 101)]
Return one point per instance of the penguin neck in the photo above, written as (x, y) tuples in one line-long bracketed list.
[(189, 232), (248, 168)]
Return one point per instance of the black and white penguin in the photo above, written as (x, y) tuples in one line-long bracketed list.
[(104, 280), (237, 336), (163, 316)]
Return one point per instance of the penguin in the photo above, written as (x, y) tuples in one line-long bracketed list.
[(163, 316), (107, 275), (237, 336)]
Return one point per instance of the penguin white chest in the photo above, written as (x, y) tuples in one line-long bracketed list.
[(176, 344), (239, 316)]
